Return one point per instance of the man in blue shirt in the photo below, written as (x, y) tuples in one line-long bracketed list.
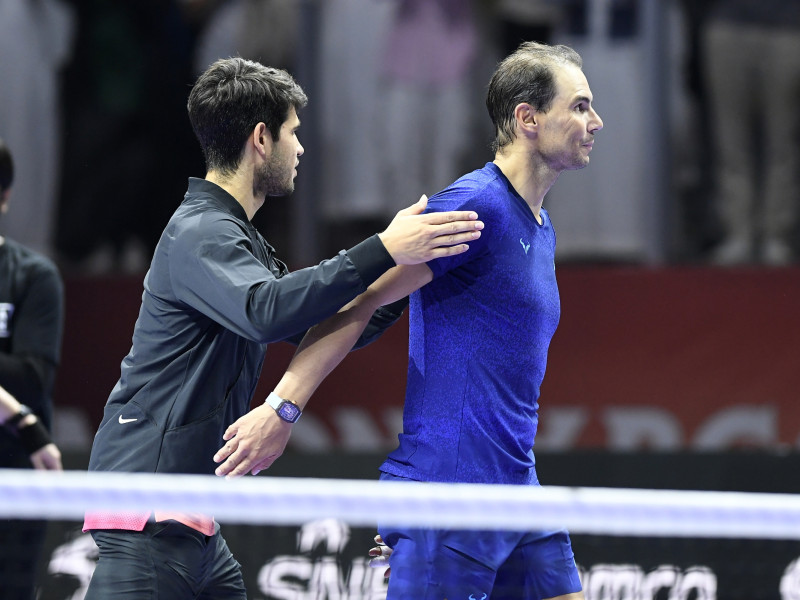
[(480, 329)]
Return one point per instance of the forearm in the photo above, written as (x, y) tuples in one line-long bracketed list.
[(31, 434), (27, 379), (303, 298), (381, 320), (322, 349), (326, 344), (257, 439), (8, 405)]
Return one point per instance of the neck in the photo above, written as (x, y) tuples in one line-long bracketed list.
[(240, 188), (532, 180)]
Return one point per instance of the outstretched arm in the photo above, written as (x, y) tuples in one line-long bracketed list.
[(258, 438), (33, 436)]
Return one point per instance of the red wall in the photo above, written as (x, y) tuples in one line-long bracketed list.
[(667, 358)]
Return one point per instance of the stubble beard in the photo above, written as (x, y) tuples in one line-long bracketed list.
[(273, 180), (579, 161)]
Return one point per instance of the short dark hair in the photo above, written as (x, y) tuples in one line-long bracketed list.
[(526, 75), (6, 167), (230, 98)]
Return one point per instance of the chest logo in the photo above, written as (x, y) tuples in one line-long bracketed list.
[(6, 312), (123, 421), (525, 246)]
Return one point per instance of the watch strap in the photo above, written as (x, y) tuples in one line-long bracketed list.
[(274, 400)]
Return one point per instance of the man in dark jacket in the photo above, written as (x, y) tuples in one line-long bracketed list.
[(214, 297), (31, 325)]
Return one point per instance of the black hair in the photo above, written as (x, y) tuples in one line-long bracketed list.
[(6, 167), (526, 75), (230, 99)]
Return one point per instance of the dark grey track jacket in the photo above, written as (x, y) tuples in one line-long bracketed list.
[(213, 299)]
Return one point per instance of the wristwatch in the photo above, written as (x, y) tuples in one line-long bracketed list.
[(286, 409), (13, 421)]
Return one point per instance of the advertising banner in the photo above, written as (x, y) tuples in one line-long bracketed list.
[(643, 359), (327, 560)]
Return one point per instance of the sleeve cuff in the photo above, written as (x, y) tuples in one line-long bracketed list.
[(371, 259), (395, 309)]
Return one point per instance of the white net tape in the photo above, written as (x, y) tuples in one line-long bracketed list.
[(273, 500)]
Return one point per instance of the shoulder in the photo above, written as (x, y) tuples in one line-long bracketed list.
[(199, 222), (31, 263), (479, 190)]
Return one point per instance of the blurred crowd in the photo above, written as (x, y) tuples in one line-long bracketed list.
[(94, 92)]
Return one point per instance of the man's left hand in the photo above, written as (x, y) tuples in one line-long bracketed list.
[(379, 556), (254, 442), (47, 458)]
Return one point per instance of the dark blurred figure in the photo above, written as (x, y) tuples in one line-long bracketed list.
[(36, 38), (692, 155), (751, 60), (262, 30), (126, 132), (526, 21), (411, 61), (31, 325), (429, 51)]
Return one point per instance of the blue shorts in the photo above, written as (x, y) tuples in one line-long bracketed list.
[(431, 564)]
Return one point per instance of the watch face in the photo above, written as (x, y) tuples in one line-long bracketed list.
[(289, 412)]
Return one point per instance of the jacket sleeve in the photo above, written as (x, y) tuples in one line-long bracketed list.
[(381, 320), (214, 270)]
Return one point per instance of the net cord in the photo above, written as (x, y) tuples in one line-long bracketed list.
[(279, 500)]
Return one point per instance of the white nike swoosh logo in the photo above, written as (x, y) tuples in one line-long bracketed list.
[(123, 421)]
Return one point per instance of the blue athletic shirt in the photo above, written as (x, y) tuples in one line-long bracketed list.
[(478, 341)]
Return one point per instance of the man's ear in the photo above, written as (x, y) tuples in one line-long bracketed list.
[(526, 117), (261, 139)]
